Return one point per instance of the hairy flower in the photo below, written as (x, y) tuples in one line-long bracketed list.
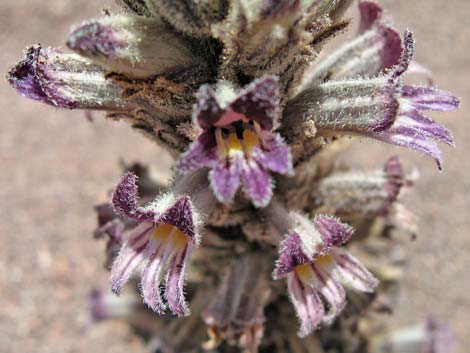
[(314, 264), (380, 107), (166, 234), (237, 142), (362, 193)]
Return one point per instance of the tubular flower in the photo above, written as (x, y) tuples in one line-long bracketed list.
[(376, 49), (381, 108), (237, 142), (166, 234), (315, 267)]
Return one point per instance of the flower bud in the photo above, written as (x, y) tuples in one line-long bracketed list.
[(136, 46)]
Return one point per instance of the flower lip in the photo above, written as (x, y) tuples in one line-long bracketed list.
[(333, 232), (30, 78), (125, 200), (291, 254), (180, 215), (257, 102)]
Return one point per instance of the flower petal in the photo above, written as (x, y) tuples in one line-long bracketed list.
[(225, 179), (353, 272), (407, 137), (331, 289), (291, 254), (428, 98), (307, 304), (125, 200), (181, 215), (257, 183), (206, 110), (151, 276), (274, 154), (428, 127), (174, 282), (201, 153), (131, 255), (333, 232), (259, 101)]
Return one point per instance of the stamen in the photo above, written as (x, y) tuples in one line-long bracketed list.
[(250, 141), (221, 148), (234, 145)]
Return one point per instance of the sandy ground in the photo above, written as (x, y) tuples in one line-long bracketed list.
[(56, 165)]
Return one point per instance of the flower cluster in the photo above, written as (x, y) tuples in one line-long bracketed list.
[(227, 87)]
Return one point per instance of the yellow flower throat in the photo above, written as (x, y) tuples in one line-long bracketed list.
[(232, 145), (168, 233)]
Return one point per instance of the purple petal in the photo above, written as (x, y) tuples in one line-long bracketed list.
[(291, 254), (307, 304), (151, 276), (353, 272), (391, 50), (225, 179), (131, 255), (257, 183), (428, 127), (174, 283), (125, 200), (332, 290), (274, 154), (370, 13), (181, 215), (406, 137), (332, 231), (201, 153), (259, 101), (428, 98), (206, 110)]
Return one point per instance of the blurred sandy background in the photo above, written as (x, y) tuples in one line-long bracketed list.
[(55, 165)]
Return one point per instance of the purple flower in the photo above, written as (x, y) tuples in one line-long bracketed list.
[(237, 142), (381, 108), (367, 194), (316, 267), (376, 49), (65, 80), (137, 46), (165, 236)]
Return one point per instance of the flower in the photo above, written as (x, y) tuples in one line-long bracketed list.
[(366, 194), (166, 234), (138, 46), (376, 49), (237, 142), (380, 107), (65, 80), (313, 263)]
